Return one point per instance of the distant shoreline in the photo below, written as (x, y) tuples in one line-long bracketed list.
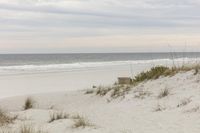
[(46, 53)]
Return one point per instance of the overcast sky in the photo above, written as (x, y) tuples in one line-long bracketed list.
[(37, 26)]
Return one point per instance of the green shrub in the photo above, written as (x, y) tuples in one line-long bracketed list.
[(153, 73), (102, 91), (120, 90), (29, 103)]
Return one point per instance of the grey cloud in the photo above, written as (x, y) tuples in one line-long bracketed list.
[(97, 17)]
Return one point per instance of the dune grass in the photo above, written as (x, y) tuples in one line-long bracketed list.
[(159, 108), (29, 103), (184, 102), (162, 71), (81, 122), (115, 90), (58, 115), (194, 109), (142, 94), (153, 73), (5, 118), (28, 128), (120, 91), (156, 72), (163, 93)]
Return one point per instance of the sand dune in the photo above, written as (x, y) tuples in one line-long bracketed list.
[(140, 110)]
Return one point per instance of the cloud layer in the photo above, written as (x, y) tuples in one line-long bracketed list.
[(35, 24)]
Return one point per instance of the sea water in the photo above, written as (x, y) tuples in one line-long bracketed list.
[(33, 63)]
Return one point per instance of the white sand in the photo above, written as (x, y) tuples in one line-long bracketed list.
[(43, 82), (23, 82), (122, 115)]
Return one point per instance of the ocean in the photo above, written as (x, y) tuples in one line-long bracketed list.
[(49, 59), (22, 74), (68, 62)]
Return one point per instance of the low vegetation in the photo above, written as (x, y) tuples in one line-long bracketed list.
[(163, 93), (5, 118), (159, 108), (102, 91), (118, 90), (29, 103), (153, 73), (184, 102), (30, 129), (77, 116), (194, 109), (158, 71), (90, 91), (115, 90), (24, 128), (196, 69), (142, 94), (81, 122), (58, 115)]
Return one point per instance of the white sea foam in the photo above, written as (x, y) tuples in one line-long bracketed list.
[(89, 65)]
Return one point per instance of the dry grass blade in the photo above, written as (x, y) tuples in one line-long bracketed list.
[(81, 122), (184, 102), (159, 108), (5, 119), (164, 93), (29, 103), (58, 116), (28, 128)]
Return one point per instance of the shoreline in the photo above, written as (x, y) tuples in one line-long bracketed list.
[(62, 81), (41, 82), (142, 108)]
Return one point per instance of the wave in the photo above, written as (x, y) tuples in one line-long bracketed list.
[(87, 65)]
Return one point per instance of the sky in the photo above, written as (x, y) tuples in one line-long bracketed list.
[(90, 26)]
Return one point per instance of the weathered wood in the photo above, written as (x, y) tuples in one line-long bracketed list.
[(124, 80)]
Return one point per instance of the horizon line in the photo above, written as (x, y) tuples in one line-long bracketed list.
[(100, 52)]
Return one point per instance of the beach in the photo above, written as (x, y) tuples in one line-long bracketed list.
[(21, 80), (87, 99), (140, 110), (34, 74), (99, 66)]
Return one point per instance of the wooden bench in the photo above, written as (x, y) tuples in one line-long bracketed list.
[(124, 80)]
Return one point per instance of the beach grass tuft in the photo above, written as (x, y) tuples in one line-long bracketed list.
[(81, 122), (164, 93), (153, 73), (120, 90), (156, 72), (28, 128), (58, 115), (159, 108), (102, 91), (5, 118), (184, 102), (29, 103)]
